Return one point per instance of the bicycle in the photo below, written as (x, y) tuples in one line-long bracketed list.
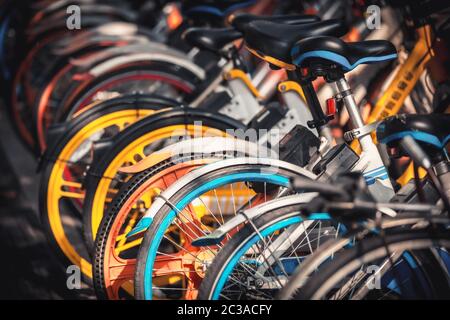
[(352, 218)]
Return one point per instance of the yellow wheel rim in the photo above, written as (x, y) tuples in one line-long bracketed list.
[(127, 156), (56, 185)]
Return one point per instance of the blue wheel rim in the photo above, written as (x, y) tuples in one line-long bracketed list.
[(276, 179)]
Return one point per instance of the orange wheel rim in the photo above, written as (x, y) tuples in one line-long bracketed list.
[(180, 267), (118, 271)]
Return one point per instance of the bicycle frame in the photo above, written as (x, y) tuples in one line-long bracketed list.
[(401, 86), (370, 162)]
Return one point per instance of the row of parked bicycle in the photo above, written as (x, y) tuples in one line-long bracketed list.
[(238, 149)]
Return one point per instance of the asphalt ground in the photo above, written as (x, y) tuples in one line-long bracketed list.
[(29, 268)]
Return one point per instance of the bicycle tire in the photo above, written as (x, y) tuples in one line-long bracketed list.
[(98, 174), (134, 106), (224, 172), (367, 249), (282, 217)]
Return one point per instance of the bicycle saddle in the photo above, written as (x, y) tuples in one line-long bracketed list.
[(219, 8), (273, 41), (215, 39), (240, 21), (427, 129), (211, 39), (346, 54)]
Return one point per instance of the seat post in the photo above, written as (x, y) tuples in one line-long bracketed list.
[(350, 103), (345, 93)]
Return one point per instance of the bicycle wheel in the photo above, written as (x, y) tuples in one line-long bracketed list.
[(115, 254), (61, 192), (135, 143), (61, 76), (140, 72), (28, 78), (329, 250), (220, 189), (150, 82), (259, 259), (22, 95), (400, 265)]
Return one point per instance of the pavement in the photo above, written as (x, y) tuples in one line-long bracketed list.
[(29, 268)]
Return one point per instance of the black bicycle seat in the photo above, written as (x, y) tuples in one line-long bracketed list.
[(218, 8), (346, 54), (273, 41), (432, 130), (211, 39), (215, 39), (240, 21)]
